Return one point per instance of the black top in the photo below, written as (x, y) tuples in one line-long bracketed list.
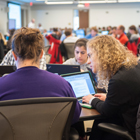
[(123, 97)]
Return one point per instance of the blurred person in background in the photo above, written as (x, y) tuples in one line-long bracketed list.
[(32, 24), (134, 33), (54, 50), (121, 35), (40, 27), (139, 29), (109, 29), (93, 33), (114, 32)]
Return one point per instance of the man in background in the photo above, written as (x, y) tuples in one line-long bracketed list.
[(32, 24), (121, 35), (40, 28)]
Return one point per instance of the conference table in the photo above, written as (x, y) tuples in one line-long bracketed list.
[(89, 114)]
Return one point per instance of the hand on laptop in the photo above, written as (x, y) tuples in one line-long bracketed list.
[(101, 96), (87, 98)]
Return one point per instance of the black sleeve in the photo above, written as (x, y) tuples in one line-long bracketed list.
[(116, 98), (62, 49)]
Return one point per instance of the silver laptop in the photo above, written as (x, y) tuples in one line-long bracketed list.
[(82, 85)]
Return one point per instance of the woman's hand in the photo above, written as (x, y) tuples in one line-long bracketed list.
[(87, 98), (101, 96)]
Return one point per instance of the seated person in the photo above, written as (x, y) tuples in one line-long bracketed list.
[(93, 33), (9, 60), (134, 33), (121, 35), (80, 53), (29, 80), (69, 39), (114, 31), (134, 40), (54, 50), (110, 60)]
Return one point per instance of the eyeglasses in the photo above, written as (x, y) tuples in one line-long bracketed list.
[(89, 55)]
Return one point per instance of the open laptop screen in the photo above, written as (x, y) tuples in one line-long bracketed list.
[(81, 84)]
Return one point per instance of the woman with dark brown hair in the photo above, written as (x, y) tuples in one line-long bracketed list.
[(134, 33)]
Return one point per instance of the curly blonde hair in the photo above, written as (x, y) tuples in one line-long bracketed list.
[(111, 55)]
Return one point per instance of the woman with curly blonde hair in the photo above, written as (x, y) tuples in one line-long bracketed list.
[(110, 60)]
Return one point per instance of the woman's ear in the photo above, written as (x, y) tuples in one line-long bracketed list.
[(14, 55)]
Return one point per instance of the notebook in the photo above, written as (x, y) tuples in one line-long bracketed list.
[(82, 85), (62, 69)]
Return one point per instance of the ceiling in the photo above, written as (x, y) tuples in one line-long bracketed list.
[(74, 1)]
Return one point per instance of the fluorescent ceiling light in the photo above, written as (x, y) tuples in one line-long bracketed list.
[(106, 1), (80, 5), (40, 0), (64, 2), (129, 1)]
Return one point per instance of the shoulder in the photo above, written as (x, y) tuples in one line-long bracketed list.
[(70, 61), (125, 77)]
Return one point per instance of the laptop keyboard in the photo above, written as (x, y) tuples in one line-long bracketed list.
[(80, 101)]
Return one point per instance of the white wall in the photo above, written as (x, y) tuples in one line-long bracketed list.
[(53, 16), (3, 17), (60, 16), (125, 14)]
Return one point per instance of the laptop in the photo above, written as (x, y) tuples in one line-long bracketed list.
[(6, 70), (62, 68), (82, 85), (104, 32)]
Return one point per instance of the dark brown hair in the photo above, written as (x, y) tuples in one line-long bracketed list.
[(27, 43), (122, 28), (133, 27), (114, 28), (81, 43), (68, 32), (55, 29)]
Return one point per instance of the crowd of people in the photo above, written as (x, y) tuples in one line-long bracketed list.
[(112, 58)]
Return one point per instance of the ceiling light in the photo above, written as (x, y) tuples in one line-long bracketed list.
[(129, 1), (80, 5), (40, 0), (106, 1), (64, 2)]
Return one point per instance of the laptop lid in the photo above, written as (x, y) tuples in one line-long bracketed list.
[(62, 68), (6, 70), (81, 83)]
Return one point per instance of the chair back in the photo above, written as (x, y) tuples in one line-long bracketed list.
[(70, 49), (37, 118), (138, 125), (48, 58)]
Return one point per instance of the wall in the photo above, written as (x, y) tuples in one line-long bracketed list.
[(61, 16), (3, 17), (115, 14), (53, 16)]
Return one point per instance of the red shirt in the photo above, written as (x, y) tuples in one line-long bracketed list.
[(123, 39)]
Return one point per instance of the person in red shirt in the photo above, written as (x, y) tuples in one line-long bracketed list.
[(121, 35)]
